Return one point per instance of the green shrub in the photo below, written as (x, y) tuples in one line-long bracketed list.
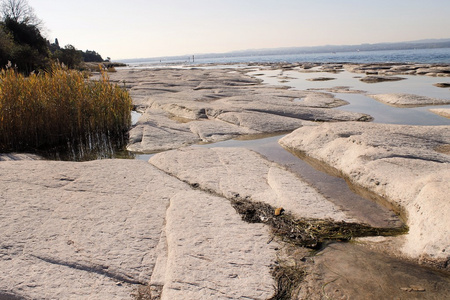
[(60, 110)]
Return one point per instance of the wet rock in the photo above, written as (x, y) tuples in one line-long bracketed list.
[(400, 164), (375, 79), (442, 84), (444, 112), (340, 89), (389, 69), (321, 79), (341, 269)]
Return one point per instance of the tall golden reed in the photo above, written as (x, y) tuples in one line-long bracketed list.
[(61, 110)]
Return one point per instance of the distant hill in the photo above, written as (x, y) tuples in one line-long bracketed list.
[(420, 44)]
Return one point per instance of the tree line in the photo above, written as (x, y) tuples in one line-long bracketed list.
[(23, 46)]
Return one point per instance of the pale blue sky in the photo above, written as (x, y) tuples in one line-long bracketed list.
[(150, 28)]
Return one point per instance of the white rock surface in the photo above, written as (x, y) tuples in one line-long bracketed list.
[(400, 163), (399, 69), (186, 106), (213, 254), (235, 172), (408, 100), (72, 230), (444, 112), (100, 229)]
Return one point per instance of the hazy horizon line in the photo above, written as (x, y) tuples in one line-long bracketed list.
[(421, 41)]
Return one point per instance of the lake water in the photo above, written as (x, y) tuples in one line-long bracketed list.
[(382, 113), (440, 55)]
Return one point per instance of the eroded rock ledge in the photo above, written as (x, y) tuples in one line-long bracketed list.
[(372, 69), (408, 100), (407, 165), (187, 106)]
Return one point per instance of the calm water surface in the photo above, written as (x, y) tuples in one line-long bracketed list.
[(426, 56), (382, 113)]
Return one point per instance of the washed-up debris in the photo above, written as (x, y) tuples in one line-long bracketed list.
[(310, 233)]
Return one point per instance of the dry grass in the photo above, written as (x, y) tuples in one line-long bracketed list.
[(61, 109), (288, 279)]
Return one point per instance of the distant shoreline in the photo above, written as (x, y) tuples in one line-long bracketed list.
[(427, 56)]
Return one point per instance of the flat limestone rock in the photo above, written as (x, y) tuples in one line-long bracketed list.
[(322, 100), (210, 131), (340, 90), (213, 254), (375, 79), (444, 112), (408, 100), (79, 230), (406, 165), (159, 133), (103, 229), (321, 79), (442, 84), (389, 69), (241, 173), (232, 102), (259, 122)]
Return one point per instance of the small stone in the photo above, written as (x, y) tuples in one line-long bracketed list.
[(279, 211), (375, 79), (413, 288), (417, 288), (442, 84), (321, 79)]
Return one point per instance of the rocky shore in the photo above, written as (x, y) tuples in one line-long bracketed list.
[(228, 223)]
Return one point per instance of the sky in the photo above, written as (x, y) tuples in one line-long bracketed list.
[(123, 29)]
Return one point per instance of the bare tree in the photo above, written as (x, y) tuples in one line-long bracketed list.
[(19, 11)]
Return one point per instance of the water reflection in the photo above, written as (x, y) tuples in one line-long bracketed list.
[(135, 117)]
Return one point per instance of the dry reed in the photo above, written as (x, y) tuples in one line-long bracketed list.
[(61, 110)]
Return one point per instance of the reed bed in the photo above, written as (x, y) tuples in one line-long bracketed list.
[(61, 111)]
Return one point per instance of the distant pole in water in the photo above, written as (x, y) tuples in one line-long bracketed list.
[(192, 58)]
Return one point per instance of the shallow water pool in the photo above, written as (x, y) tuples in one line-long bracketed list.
[(360, 102)]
